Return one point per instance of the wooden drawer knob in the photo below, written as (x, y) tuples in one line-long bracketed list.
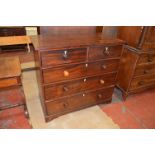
[(83, 95), (104, 66), (146, 71), (66, 73), (149, 58), (102, 81), (141, 82), (84, 80), (65, 88), (65, 105), (99, 96), (86, 65)]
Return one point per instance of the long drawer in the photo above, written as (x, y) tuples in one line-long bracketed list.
[(12, 31), (149, 46), (144, 69), (142, 81), (79, 100), (52, 58), (14, 81), (68, 88), (104, 52), (147, 58), (69, 72)]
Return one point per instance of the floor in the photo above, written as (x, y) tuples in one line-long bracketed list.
[(137, 112), (14, 117)]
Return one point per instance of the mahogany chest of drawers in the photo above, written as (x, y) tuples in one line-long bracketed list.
[(75, 72)]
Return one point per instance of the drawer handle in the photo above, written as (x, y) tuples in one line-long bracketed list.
[(146, 71), (66, 73), (102, 81), (104, 66), (65, 105), (65, 88), (86, 65), (83, 95), (150, 59), (84, 80), (65, 54), (141, 82), (99, 96), (106, 51)]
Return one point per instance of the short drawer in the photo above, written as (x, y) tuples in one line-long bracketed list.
[(142, 81), (51, 58), (104, 52), (69, 72), (144, 69), (68, 88), (147, 58), (9, 82), (79, 100)]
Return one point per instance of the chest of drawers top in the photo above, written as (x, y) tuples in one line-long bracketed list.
[(54, 42)]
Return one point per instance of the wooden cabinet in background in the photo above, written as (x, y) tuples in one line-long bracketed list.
[(12, 31), (137, 66), (10, 84), (140, 37), (75, 71)]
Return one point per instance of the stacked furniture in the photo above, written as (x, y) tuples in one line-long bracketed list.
[(75, 71), (11, 92), (12, 31), (137, 66), (15, 40), (6, 31)]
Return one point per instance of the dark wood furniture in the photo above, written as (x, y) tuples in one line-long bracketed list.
[(75, 71), (6, 31), (140, 37), (12, 31), (65, 30), (10, 79), (137, 66)]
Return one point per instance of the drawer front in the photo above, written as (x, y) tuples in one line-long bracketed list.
[(149, 46), (151, 34), (6, 32), (9, 82), (144, 69), (147, 58), (105, 52), (80, 70), (143, 81), (77, 101), (76, 86), (52, 58), (12, 31)]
